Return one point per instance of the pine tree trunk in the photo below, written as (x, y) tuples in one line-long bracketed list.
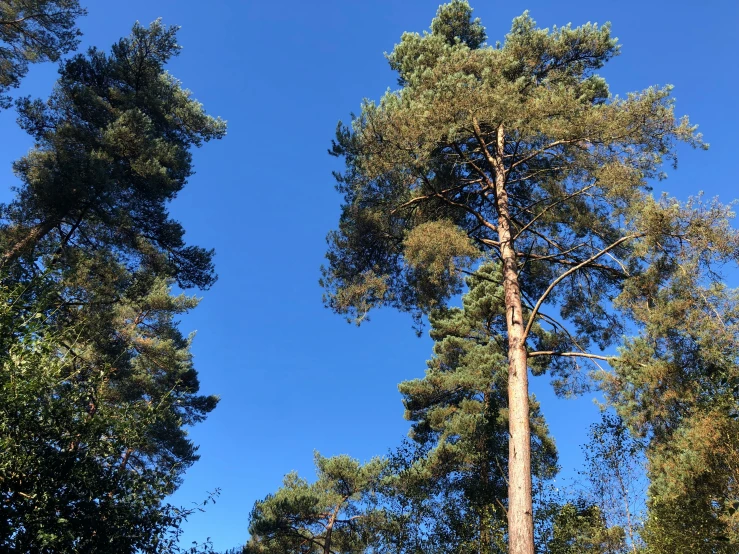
[(330, 529), (520, 505), (327, 542), (34, 235)]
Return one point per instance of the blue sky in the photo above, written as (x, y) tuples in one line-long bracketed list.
[(292, 376)]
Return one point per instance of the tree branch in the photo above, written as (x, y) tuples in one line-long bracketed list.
[(571, 354), (541, 213), (569, 272), (546, 148)]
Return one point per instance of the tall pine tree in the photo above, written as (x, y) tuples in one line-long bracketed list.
[(520, 153)]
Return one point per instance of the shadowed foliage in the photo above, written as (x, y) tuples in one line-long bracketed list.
[(98, 385), (34, 31)]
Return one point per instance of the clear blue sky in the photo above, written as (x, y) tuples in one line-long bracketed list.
[(292, 376)]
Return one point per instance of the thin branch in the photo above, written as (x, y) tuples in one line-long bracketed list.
[(557, 325), (571, 354), (484, 176), (528, 255), (569, 272), (541, 213), (484, 222), (545, 149)]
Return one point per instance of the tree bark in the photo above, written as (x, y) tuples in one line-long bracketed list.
[(35, 234), (327, 542), (330, 529), (520, 504)]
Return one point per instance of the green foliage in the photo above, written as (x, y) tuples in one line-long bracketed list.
[(581, 528), (692, 497), (677, 382), (34, 31), (453, 25), (435, 251), (574, 159), (446, 491), (112, 147), (429, 512), (91, 450), (523, 149), (333, 514), (98, 383), (686, 356)]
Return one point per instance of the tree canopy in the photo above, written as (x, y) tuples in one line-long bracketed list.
[(519, 153), (112, 147), (98, 384), (34, 31), (332, 515)]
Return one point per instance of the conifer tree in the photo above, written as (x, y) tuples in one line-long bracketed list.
[(335, 514), (34, 31), (693, 501), (112, 148), (520, 153), (92, 445), (679, 386), (97, 436), (581, 528), (459, 410)]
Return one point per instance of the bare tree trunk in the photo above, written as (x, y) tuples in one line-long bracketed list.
[(330, 529), (520, 504), (327, 542)]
